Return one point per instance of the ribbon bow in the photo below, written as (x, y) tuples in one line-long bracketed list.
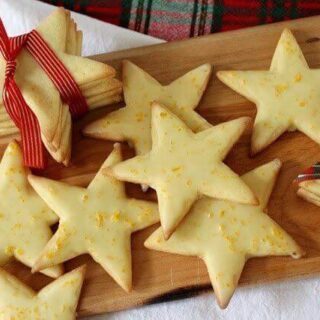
[(17, 108)]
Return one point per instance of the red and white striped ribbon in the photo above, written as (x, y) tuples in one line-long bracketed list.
[(18, 110)]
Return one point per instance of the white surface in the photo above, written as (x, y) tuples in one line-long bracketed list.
[(20, 16), (299, 299)]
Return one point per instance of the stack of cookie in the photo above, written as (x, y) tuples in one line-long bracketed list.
[(95, 80)]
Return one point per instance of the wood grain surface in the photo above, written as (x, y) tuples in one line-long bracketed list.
[(159, 276)]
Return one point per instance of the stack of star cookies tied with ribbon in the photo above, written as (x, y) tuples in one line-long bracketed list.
[(46, 88)]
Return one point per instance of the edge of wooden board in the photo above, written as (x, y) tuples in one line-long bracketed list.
[(124, 54), (298, 269)]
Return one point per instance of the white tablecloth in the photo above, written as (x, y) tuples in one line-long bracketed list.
[(287, 300)]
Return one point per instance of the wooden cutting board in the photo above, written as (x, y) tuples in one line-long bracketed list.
[(159, 276)]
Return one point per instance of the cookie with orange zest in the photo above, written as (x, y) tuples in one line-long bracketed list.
[(182, 166), (287, 96), (226, 234), (25, 219), (133, 122), (97, 220), (56, 301)]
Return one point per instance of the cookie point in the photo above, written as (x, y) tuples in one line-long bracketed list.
[(287, 31), (62, 10), (117, 146), (254, 151), (223, 303), (219, 73), (128, 288), (82, 269), (207, 66), (12, 146), (126, 64), (255, 201), (146, 244), (299, 253), (34, 180), (277, 162), (167, 234), (34, 269), (66, 162), (126, 61), (87, 129), (38, 266), (158, 110), (54, 272), (31, 178), (246, 120), (156, 105), (14, 142), (222, 74)]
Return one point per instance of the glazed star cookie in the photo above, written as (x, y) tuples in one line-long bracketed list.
[(133, 122), (95, 80), (226, 234), (25, 219), (97, 220), (57, 301), (287, 96), (182, 166)]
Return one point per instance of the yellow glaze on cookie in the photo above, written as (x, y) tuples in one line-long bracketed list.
[(182, 166), (25, 219), (287, 96), (97, 220), (57, 301), (226, 234), (133, 123)]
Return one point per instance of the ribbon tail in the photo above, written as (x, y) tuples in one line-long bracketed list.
[(26, 121), (33, 151), (4, 42)]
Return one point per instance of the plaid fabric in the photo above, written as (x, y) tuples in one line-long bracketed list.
[(179, 19)]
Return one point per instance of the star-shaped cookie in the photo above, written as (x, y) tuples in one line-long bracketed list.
[(182, 166), (25, 219), (41, 94), (226, 234), (287, 96), (133, 122), (57, 301), (97, 220)]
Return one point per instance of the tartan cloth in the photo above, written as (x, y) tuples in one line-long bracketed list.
[(180, 19)]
